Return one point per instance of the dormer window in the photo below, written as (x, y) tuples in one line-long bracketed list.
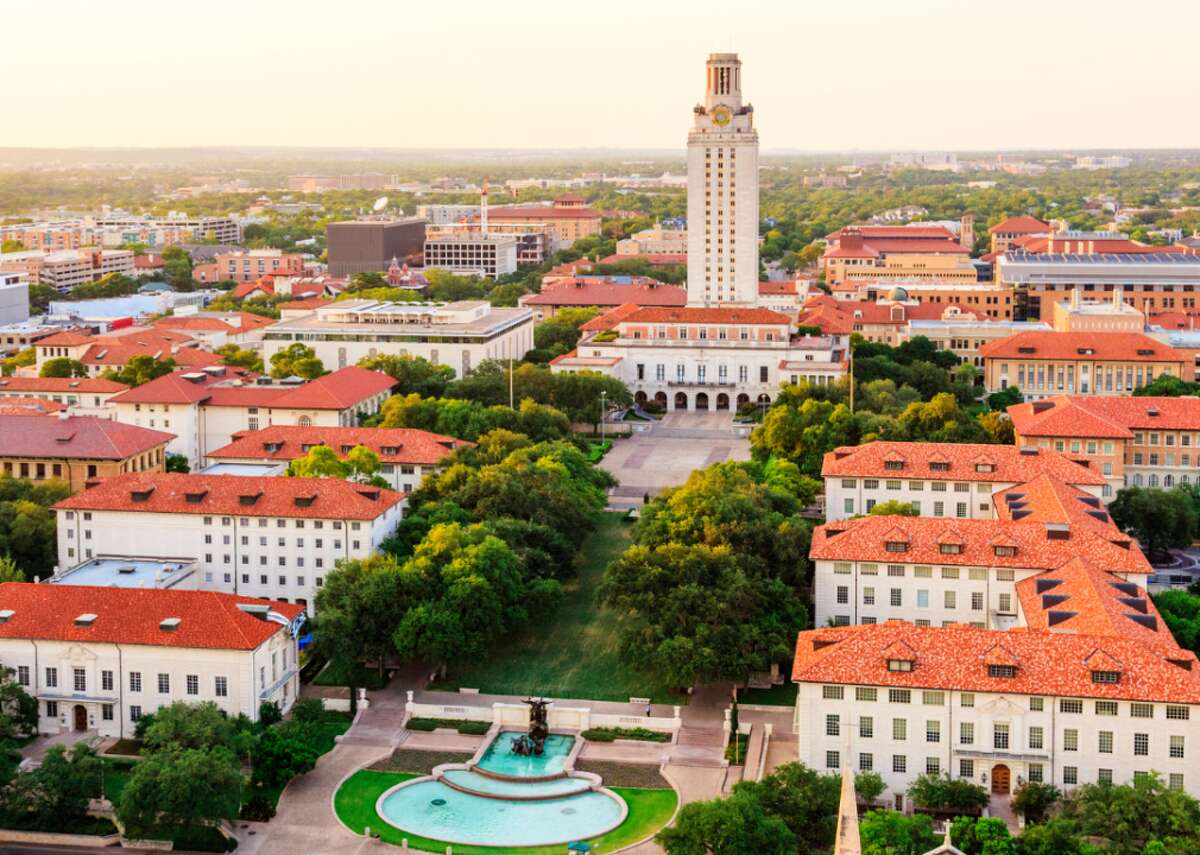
[(390, 450), (1004, 551), (950, 548), (985, 467), (903, 665), (1107, 677), (893, 464), (1002, 671), (939, 466), (896, 546)]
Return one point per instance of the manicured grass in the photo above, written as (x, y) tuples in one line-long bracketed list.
[(356, 675), (735, 751), (333, 725), (573, 652), (649, 810), (783, 695), (116, 776), (127, 747)]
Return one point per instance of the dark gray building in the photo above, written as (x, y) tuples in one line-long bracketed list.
[(365, 246)]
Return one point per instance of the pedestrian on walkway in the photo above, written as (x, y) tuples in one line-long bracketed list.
[(648, 710)]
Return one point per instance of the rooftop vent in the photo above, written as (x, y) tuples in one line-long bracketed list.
[(141, 495), (249, 498), (169, 624), (255, 609), (1028, 451), (1026, 349), (1049, 600), (1152, 412), (6, 615), (369, 493), (126, 569), (1058, 531), (305, 501), (1145, 351), (1100, 515), (1185, 664), (1090, 500), (1013, 497), (1138, 604), (194, 376), (1042, 406), (86, 619), (1046, 584), (65, 438), (1129, 589), (1148, 621), (1054, 618), (195, 497)]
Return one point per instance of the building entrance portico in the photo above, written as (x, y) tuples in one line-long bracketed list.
[(80, 717)]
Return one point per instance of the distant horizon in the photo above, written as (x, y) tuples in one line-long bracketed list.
[(933, 75)]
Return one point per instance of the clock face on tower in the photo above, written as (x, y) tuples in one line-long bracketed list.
[(721, 115)]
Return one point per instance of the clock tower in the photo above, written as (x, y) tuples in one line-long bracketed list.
[(722, 166)]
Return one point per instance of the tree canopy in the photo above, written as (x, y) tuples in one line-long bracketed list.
[(298, 360), (413, 374), (1159, 519)]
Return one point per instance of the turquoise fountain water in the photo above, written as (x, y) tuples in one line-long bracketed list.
[(506, 799)]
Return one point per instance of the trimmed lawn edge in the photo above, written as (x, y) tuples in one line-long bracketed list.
[(649, 812)]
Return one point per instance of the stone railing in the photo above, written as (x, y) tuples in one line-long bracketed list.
[(558, 717)]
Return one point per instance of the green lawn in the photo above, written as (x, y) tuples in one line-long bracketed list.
[(355, 675), (783, 695), (649, 810), (573, 654)]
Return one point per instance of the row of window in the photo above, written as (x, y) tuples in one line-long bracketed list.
[(1004, 603), (1137, 709), (919, 486), (79, 681)]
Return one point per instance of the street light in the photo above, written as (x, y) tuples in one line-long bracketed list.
[(603, 393)]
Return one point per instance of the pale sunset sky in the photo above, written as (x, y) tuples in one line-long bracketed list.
[(872, 74)]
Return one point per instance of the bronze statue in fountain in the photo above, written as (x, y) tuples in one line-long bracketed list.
[(534, 742)]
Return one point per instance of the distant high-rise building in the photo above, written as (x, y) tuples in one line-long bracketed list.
[(366, 246), (723, 191)]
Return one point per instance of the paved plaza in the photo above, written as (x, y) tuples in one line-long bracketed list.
[(669, 452)]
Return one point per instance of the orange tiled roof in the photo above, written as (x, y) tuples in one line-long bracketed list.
[(60, 384), (588, 292), (967, 461), (1104, 417), (956, 658), (75, 437), (1082, 346), (866, 539), (1020, 225), (26, 406), (706, 315), (393, 445), (207, 619), (234, 495)]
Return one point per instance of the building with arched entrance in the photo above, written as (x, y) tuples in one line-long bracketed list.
[(97, 659)]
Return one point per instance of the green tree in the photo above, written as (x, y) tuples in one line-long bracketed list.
[(56, 794), (803, 434), (732, 826), (18, 710), (942, 792), (982, 836), (142, 369), (868, 786), (1131, 815), (21, 359), (9, 571), (178, 463), (413, 374), (1000, 401), (1034, 799), (236, 357), (297, 360), (894, 507), (560, 333), (806, 801), (183, 789), (360, 464), (1055, 837), (998, 426), (888, 832), (277, 759), (1159, 519), (61, 366), (180, 726), (1168, 385), (27, 524)]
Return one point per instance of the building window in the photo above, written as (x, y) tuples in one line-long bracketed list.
[(23, 675), (832, 693), (966, 768), (1037, 739), (866, 762), (866, 726), (1070, 775), (900, 729), (1141, 710), (164, 684), (193, 684), (135, 712), (933, 731), (1106, 707), (106, 712), (79, 676), (51, 709), (1177, 713), (1141, 745), (51, 678), (1175, 782), (221, 687), (1035, 772), (966, 733), (1000, 737), (832, 725), (899, 763), (135, 681)]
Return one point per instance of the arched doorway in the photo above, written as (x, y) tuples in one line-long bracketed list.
[(680, 401), (80, 717), (1000, 779), (764, 398), (722, 401), (702, 401), (639, 398), (660, 398), (742, 400)]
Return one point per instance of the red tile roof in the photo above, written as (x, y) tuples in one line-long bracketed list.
[(540, 212), (839, 317), (393, 445), (586, 292), (788, 287), (707, 315), (207, 619), (64, 339), (266, 285), (1184, 320), (235, 495), (1104, 346), (1020, 225), (609, 320), (246, 321), (340, 390), (1104, 417), (75, 438), (1007, 463), (26, 406), (117, 356), (866, 538), (907, 233), (65, 385), (875, 247), (956, 658), (309, 304)]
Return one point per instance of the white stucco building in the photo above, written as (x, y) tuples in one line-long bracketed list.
[(460, 334), (204, 409), (255, 536), (99, 658)]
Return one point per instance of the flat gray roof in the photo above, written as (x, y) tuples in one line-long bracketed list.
[(120, 572)]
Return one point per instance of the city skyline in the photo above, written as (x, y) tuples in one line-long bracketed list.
[(929, 76)]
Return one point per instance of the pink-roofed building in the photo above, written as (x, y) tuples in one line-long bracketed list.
[(603, 292), (206, 408)]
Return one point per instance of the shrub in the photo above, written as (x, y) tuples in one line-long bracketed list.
[(941, 792), (308, 710), (258, 809), (608, 734), (654, 408), (473, 728)]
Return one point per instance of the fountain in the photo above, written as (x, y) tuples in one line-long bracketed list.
[(533, 743)]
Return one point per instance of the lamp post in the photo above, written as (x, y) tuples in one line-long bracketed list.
[(603, 393)]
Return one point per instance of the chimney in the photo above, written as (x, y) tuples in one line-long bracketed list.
[(1118, 298), (1075, 295), (63, 415)]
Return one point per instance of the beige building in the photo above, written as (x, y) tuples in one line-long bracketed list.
[(655, 241), (1112, 315)]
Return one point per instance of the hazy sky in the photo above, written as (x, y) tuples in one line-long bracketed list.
[(866, 74)]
